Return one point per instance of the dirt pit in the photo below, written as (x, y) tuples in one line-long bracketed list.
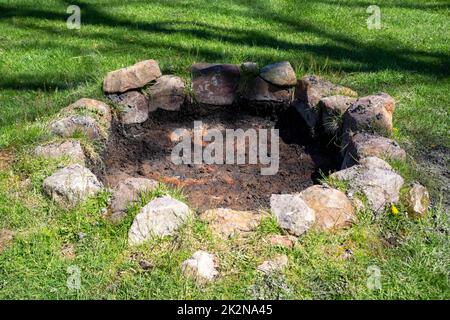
[(145, 151)]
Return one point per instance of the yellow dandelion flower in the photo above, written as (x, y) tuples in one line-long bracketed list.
[(394, 210)]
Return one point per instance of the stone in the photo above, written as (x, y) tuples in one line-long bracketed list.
[(167, 94), (283, 241), (71, 149), (280, 74), (274, 265), (333, 109), (160, 217), (201, 267), (332, 208), (6, 238), (259, 90), (227, 222), (215, 84), (372, 114), (292, 213), (308, 93), (72, 184), (66, 127), (97, 107), (374, 178), (417, 201), (364, 145), (133, 107), (133, 77), (128, 192)]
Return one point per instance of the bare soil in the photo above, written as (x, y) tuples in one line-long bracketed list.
[(144, 151)]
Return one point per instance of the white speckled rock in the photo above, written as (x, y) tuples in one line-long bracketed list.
[(72, 184), (292, 213), (375, 179), (160, 217), (201, 266)]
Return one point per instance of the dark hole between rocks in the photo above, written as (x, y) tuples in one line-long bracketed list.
[(144, 151)]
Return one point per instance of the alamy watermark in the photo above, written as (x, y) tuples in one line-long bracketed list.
[(374, 279), (74, 20), (74, 278), (374, 20), (211, 147)]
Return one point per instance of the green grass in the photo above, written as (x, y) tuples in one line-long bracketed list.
[(45, 67)]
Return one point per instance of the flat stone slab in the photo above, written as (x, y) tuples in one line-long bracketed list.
[(72, 184), (71, 149), (134, 77), (160, 217), (166, 94), (227, 222), (215, 84), (92, 105), (259, 90)]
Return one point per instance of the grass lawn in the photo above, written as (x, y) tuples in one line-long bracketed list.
[(44, 67)]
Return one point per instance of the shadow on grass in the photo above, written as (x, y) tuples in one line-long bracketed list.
[(344, 52)]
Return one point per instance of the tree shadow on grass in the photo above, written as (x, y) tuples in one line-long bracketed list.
[(346, 53)]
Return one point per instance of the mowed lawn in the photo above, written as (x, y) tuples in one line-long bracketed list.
[(44, 66)]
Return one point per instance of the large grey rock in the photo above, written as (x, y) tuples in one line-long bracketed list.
[(332, 208), (215, 84), (134, 107), (292, 213), (71, 149), (364, 145), (66, 127), (372, 114), (280, 74), (160, 217), (72, 184), (417, 200), (227, 222), (134, 77), (333, 109), (374, 178), (128, 192), (308, 93), (167, 94), (201, 267)]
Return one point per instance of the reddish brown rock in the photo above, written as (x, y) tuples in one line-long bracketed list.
[(372, 114), (134, 77), (133, 107), (6, 238), (215, 84), (167, 94), (309, 91), (367, 145), (283, 241), (332, 208)]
